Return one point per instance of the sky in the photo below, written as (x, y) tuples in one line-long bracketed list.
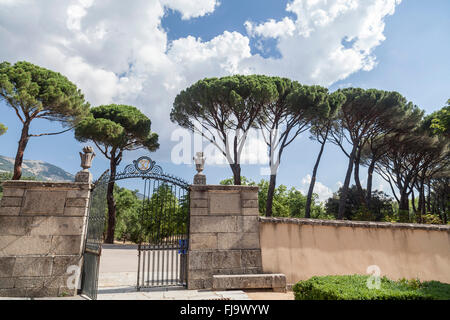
[(144, 52)]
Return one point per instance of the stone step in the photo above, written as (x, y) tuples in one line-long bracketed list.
[(274, 281)]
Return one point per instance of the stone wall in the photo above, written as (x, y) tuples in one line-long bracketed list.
[(224, 234), (42, 226), (302, 248)]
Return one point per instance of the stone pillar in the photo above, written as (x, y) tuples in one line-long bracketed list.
[(224, 233), (42, 230)]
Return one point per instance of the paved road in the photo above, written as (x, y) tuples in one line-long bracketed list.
[(118, 273)]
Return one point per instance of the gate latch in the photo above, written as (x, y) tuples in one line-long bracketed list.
[(183, 246)]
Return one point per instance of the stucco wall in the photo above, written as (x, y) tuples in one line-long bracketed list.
[(302, 248)]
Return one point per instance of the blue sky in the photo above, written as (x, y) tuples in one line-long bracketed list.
[(145, 60)]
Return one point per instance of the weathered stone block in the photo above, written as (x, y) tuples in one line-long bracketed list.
[(75, 212), (199, 260), (62, 263), (6, 283), (6, 266), (66, 245), (77, 202), (192, 284), (56, 281), (249, 195), (33, 267), (9, 211), (213, 224), (11, 201), (13, 192), (226, 259), (225, 204), (251, 258), (249, 203), (78, 193), (42, 292), (57, 226), (199, 195), (13, 292), (250, 211), (199, 274), (15, 226), (250, 281), (203, 241), (199, 211), (25, 245), (238, 241), (249, 224), (199, 203), (29, 282), (44, 202)]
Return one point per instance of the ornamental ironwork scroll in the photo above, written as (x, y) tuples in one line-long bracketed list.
[(143, 167)]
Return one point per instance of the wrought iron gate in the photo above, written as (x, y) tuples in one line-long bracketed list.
[(163, 246), (164, 228), (94, 237)]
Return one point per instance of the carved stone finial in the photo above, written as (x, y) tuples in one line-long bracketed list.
[(86, 162), (199, 160), (87, 157)]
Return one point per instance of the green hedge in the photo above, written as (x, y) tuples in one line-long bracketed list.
[(354, 287)]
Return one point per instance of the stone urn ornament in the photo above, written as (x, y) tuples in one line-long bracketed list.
[(199, 161), (86, 156)]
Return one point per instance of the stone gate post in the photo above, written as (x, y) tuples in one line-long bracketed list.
[(42, 231)]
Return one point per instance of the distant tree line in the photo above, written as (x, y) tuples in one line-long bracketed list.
[(376, 129)]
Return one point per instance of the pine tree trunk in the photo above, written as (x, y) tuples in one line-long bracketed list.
[(344, 190), (313, 182), (270, 194), (423, 204), (24, 137), (111, 202), (429, 198), (369, 183), (404, 201), (236, 169), (356, 175), (413, 201)]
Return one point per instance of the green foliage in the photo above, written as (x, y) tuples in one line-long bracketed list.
[(431, 219), (381, 205), (286, 202), (228, 97), (3, 129), (128, 207), (439, 122), (354, 287), (117, 126), (41, 93), (149, 220), (164, 215)]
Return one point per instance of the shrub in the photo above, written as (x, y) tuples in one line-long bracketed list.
[(354, 287)]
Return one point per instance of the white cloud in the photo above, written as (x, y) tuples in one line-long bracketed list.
[(192, 8), (271, 28), (322, 190), (117, 51), (313, 52)]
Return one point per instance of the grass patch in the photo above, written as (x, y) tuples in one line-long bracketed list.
[(354, 287)]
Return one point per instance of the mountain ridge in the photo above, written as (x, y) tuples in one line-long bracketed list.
[(40, 169)]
